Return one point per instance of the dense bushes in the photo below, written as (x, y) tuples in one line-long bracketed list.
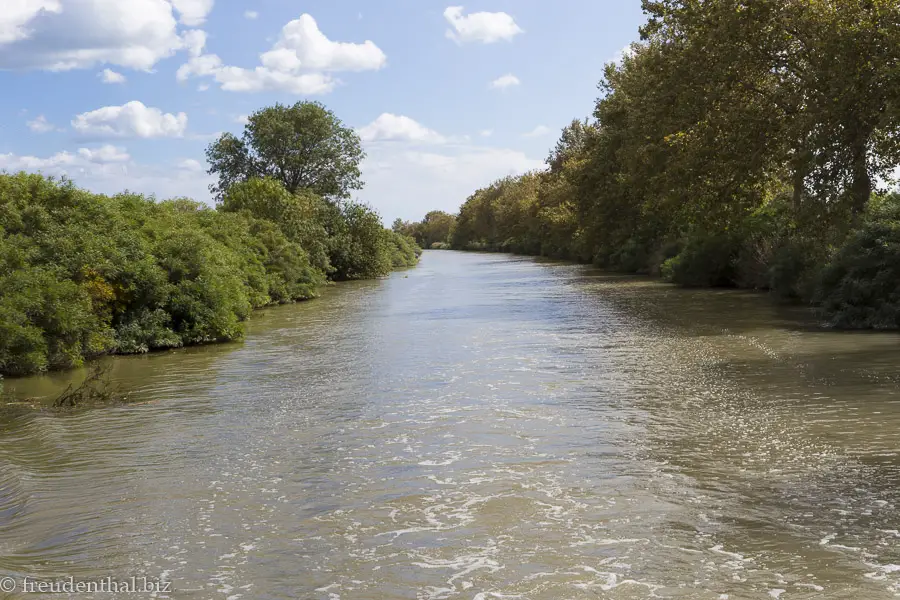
[(860, 287), (83, 274)]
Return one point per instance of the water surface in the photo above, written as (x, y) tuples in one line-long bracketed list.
[(481, 427)]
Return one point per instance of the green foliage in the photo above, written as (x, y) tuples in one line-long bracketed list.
[(705, 261), (84, 274), (304, 147), (860, 286), (404, 250), (435, 228), (360, 246)]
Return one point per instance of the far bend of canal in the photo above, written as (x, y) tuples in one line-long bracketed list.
[(480, 427)]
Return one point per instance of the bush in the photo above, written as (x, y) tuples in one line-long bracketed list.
[(404, 250), (706, 261), (83, 274), (360, 249), (631, 257), (794, 269), (860, 287)]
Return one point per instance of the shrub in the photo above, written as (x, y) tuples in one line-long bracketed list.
[(794, 269), (404, 250), (705, 261), (631, 257), (860, 287)]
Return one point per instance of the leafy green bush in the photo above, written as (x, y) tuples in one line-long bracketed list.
[(360, 248), (794, 269), (631, 257), (860, 287), (705, 261), (404, 250), (84, 274)]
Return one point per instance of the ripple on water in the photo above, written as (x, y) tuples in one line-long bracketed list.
[(487, 427)]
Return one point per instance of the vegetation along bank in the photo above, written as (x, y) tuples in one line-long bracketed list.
[(747, 144), (84, 274)]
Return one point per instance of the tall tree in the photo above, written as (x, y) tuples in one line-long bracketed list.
[(304, 146)]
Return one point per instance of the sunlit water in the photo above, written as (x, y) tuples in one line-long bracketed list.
[(480, 427)]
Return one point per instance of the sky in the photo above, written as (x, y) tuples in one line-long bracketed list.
[(127, 94)]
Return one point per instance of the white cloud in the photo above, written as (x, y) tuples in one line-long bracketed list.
[(66, 163), (40, 125), (242, 119), (483, 27), (486, 132), (621, 54), (389, 127), (298, 63), (17, 14), (61, 35), (303, 45), (401, 182), (202, 87), (110, 170), (540, 130), (189, 164), (193, 12), (506, 81), (194, 41), (104, 154), (251, 14), (110, 76), (130, 120)]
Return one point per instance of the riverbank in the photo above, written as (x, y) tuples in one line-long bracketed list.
[(84, 275), (848, 274)]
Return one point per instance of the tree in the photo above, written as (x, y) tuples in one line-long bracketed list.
[(304, 146), (435, 228)]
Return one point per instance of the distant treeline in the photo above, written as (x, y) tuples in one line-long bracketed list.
[(738, 143), (83, 274)]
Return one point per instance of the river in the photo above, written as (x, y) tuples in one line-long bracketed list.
[(480, 427)]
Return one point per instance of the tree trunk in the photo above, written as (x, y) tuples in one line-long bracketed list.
[(798, 183), (861, 186)]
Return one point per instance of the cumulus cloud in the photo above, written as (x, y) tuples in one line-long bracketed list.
[(40, 125), (622, 54), (390, 127), (16, 16), (65, 163), (130, 120), (539, 131), (251, 14), (484, 27), (506, 81), (109, 170), (189, 164), (60, 35), (104, 154), (110, 76), (399, 177), (193, 12), (300, 62)]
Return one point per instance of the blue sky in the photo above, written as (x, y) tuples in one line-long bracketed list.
[(447, 97)]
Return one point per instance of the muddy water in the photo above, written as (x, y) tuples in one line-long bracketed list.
[(480, 427)]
